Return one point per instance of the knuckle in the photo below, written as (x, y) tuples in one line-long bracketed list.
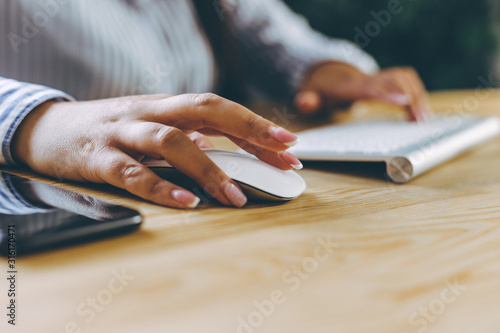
[(254, 121), (156, 189), (168, 135), (95, 164), (129, 172), (207, 99)]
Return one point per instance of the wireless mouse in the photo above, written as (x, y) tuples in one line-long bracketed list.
[(257, 179)]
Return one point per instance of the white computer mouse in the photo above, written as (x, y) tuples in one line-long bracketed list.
[(257, 179)]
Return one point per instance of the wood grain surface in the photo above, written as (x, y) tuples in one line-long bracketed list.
[(355, 253)]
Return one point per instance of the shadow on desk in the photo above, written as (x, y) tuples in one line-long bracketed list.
[(370, 170)]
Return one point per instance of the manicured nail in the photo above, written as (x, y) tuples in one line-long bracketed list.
[(429, 114), (292, 160), (284, 136), (186, 198), (234, 195), (425, 116), (401, 99), (307, 102), (307, 98)]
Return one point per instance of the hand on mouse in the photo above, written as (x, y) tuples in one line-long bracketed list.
[(332, 83), (104, 141)]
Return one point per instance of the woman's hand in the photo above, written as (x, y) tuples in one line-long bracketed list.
[(104, 141), (334, 83)]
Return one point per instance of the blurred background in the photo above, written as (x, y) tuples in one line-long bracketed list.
[(450, 43)]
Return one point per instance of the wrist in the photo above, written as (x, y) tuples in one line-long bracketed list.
[(21, 147)]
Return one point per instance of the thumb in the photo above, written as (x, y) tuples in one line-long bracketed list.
[(308, 102)]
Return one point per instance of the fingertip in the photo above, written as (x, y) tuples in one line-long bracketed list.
[(284, 136), (293, 161), (205, 144), (234, 194), (308, 101), (185, 198), (420, 115), (424, 116), (399, 99), (200, 140), (415, 116), (427, 115)]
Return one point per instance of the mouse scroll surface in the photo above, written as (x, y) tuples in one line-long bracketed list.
[(258, 179)]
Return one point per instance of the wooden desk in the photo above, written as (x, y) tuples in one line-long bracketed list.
[(424, 256)]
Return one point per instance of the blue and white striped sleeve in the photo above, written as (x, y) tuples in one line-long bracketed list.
[(17, 99), (279, 46)]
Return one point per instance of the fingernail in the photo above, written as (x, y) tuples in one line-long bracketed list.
[(292, 160), (234, 195), (422, 116), (284, 136), (186, 198), (425, 116), (401, 99), (305, 99)]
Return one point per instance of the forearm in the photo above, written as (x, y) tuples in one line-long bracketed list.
[(280, 47)]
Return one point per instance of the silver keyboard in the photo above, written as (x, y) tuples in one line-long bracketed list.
[(374, 137), (416, 147)]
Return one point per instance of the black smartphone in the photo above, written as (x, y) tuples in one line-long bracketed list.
[(35, 217)]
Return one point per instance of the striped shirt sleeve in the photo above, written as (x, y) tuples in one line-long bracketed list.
[(279, 46), (17, 99)]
